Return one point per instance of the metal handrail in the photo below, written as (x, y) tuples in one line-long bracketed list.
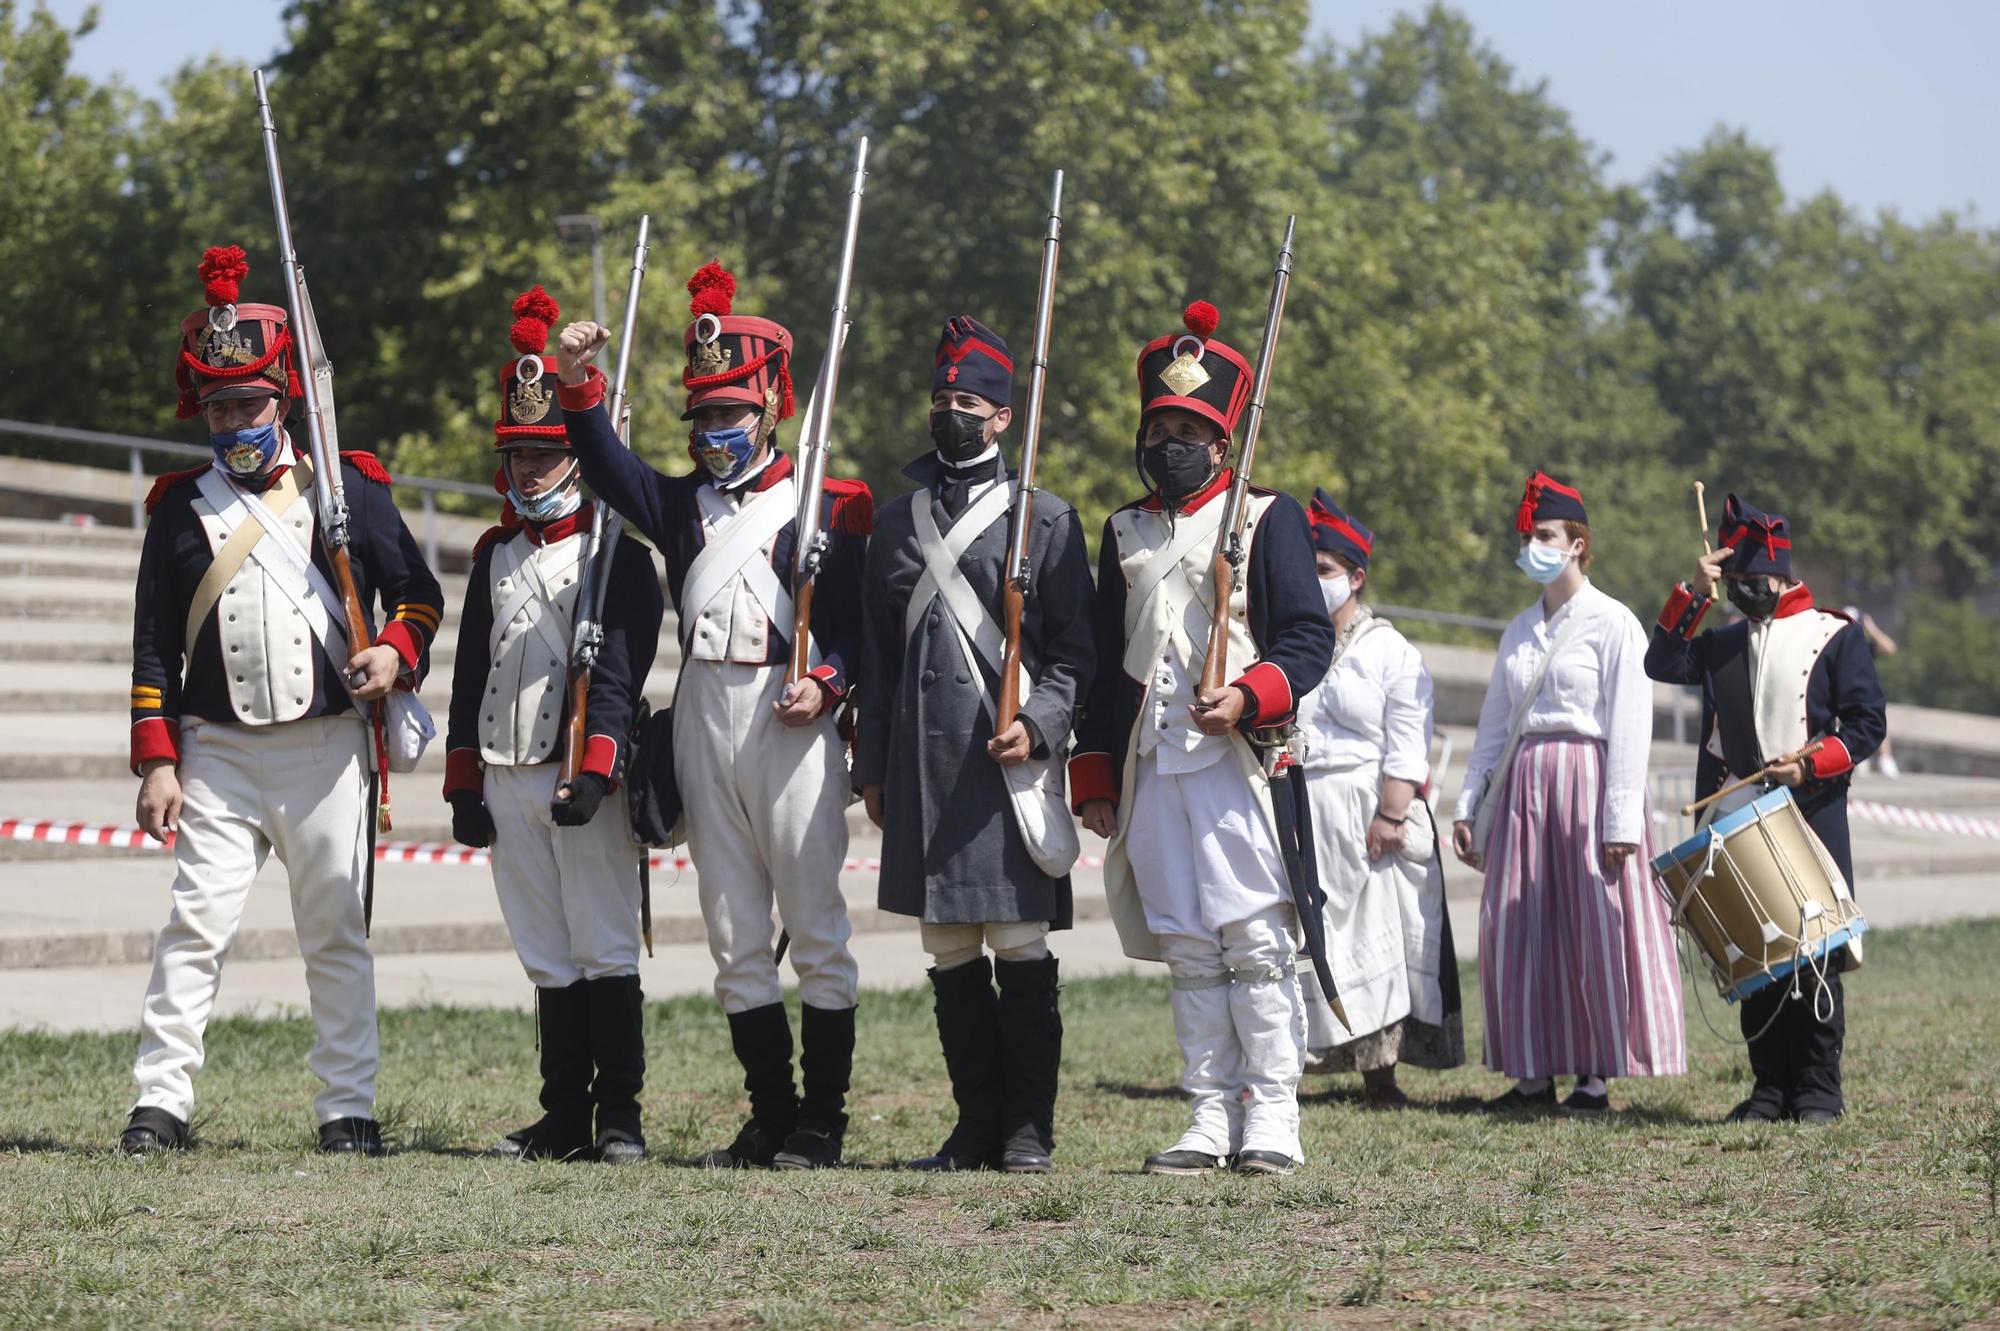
[(1452, 617), (427, 487)]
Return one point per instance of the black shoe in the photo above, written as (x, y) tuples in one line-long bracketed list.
[(968, 1022), (754, 1148), (1584, 1105), (151, 1131), (1270, 1163), (1765, 1105), (618, 1050), (1818, 1114), (350, 1136), (808, 1148), (550, 1137), (1031, 1034), (1182, 1163), (1517, 1101)]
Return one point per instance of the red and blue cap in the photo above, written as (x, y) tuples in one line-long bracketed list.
[(231, 350), (1757, 542), (1546, 499), (733, 357), (1337, 532), (972, 358), (1195, 371)]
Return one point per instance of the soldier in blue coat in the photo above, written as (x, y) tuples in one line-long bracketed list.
[(1786, 675), (1199, 873), (565, 865), (760, 763), (249, 710), (976, 840)]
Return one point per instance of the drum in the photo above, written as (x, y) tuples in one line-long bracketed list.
[(1759, 895)]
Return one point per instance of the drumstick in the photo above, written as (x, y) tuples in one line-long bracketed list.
[(1688, 810), (1701, 507)]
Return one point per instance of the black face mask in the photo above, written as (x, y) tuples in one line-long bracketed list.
[(1755, 599), (958, 436), (1176, 468)]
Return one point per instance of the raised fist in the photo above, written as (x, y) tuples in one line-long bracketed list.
[(577, 347)]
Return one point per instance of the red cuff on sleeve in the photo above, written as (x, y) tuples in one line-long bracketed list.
[(399, 633), (829, 678), (463, 772), (1091, 777), (1831, 760), (1676, 610), (600, 755), (155, 737), (1273, 692), (583, 396)]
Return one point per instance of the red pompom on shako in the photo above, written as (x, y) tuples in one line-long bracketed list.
[(529, 414), (1194, 371), (229, 349), (733, 357)]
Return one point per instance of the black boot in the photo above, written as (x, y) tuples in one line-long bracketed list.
[(1764, 1027), (618, 1048), (562, 1025), (150, 1131), (1031, 1033), (1816, 1047), (762, 1038), (826, 1065), (968, 1018)]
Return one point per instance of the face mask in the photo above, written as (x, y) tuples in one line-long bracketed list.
[(558, 501), (1543, 563), (1337, 590), (1176, 468), (245, 452), (724, 452), (1755, 599), (958, 436)]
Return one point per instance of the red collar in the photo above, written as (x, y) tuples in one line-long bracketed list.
[(548, 533), (1796, 600), (781, 467), (1151, 503)]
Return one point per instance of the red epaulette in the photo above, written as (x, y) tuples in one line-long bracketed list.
[(492, 536), (368, 465), (853, 506), (167, 482)]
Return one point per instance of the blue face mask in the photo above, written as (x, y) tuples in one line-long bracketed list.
[(1543, 563), (558, 501), (245, 452), (724, 452)]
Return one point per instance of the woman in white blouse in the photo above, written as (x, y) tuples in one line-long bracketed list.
[(1576, 957), (1367, 731)]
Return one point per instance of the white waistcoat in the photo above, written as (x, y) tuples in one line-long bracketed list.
[(267, 647), (735, 625), (1782, 654), (535, 587)]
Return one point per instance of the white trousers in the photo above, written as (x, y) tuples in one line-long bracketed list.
[(1202, 854), (765, 808), (955, 945), (1241, 1021), (300, 789), (570, 895)]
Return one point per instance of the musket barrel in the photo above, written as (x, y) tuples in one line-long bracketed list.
[(1274, 317), (1038, 373), (818, 426)]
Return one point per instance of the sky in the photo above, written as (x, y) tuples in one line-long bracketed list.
[(1893, 105)]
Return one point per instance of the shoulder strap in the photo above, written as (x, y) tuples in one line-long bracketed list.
[(735, 544), (942, 577), (1526, 702), (243, 537)]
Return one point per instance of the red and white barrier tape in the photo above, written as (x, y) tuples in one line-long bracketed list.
[(1896, 815), (127, 836)]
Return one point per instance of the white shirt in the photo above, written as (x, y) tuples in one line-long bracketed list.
[(1597, 689), (1373, 707)]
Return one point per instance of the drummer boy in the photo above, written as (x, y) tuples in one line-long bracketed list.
[(1788, 675)]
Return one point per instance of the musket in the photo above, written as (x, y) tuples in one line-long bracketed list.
[(1236, 514), (316, 398), (809, 542), (1014, 592), (600, 549)]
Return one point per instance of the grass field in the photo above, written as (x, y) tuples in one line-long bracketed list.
[(1659, 1216)]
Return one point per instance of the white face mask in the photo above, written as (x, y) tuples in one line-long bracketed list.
[(1337, 590), (1543, 563)]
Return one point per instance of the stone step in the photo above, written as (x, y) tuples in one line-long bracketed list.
[(105, 600), (78, 640), (76, 536), (54, 561)]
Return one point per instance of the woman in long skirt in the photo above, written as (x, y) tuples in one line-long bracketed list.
[(1367, 729), (1576, 957)]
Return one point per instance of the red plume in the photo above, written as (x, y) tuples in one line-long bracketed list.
[(713, 288), (221, 268), (535, 310), (1201, 318)]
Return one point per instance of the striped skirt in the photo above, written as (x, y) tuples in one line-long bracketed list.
[(1578, 971)]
